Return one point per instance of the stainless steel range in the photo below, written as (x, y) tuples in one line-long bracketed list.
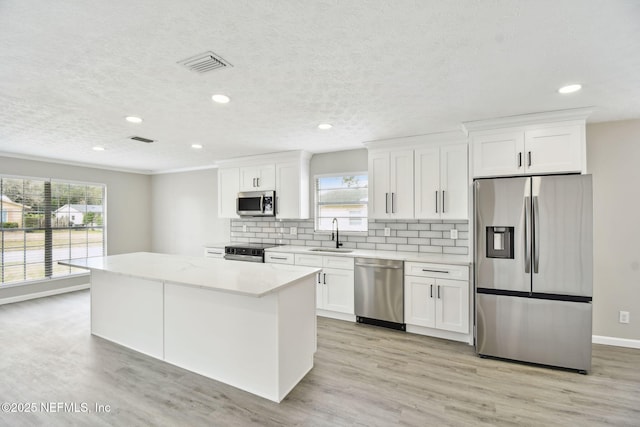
[(251, 252)]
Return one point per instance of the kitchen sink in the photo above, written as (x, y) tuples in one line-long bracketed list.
[(343, 251)]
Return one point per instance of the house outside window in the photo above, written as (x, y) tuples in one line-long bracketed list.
[(344, 197), (36, 231)]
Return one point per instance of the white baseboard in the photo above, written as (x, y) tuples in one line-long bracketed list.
[(618, 342), (44, 294)]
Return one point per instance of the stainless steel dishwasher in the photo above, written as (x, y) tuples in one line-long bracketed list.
[(379, 292)]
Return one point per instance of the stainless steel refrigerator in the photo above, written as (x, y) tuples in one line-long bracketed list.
[(533, 269)]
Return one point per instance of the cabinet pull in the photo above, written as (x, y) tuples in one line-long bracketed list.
[(436, 201), (393, 210), (386, 202), (257, 182), (438, 291), (253, 182), (520, 159), (324, 278), (431, 291), (529, 158), (319, 278), (443, 201), (426, 270), (279, 257)]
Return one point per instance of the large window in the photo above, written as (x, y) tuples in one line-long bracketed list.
[(45, 221), (343, 197)]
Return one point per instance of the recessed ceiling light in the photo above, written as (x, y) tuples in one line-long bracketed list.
[(325, 126), (221, 99), (570, 88), (196, 146), (133, 119), (96, 148)]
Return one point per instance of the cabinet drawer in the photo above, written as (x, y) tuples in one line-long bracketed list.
[(345, 263), (214, 252), (309, 260), (439, 271), (278, 258)]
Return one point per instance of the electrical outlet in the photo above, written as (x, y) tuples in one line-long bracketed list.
[(293, 231), (244, 228), (453, 233), (387, 231), (623, 317)]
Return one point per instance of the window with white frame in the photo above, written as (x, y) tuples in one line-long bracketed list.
[(45, 221), (344, 197)]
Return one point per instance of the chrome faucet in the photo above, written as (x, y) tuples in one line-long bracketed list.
[(335, 236)]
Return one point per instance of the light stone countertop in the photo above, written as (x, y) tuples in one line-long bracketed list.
[(368, 253), (243, 278)]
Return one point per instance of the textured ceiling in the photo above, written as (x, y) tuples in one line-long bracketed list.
[(71, 71)]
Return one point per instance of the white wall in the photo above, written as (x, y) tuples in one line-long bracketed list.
[(185, 212), (128, 211), (613, 155)]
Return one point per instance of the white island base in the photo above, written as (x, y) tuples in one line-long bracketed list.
[(262, 342)]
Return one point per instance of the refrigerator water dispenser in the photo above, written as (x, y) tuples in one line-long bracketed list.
[(500, 242)]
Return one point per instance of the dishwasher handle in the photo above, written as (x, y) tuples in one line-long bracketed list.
[(391, 267)]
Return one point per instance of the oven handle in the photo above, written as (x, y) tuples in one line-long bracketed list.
[(250, 258)]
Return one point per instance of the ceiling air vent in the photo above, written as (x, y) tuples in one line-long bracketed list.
[(141, 139), (205, 62)]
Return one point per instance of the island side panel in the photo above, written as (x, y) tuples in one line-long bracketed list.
[(297, 332), (128, 311), (228, 337)]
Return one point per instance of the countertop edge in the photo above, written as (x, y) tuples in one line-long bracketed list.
[(451, 259)]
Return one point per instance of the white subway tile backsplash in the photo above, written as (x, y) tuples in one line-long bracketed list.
[(385, 247), (405, 235), (408, 248), (442, 227)]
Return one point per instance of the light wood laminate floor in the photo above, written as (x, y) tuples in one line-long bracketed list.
[(363, 375)]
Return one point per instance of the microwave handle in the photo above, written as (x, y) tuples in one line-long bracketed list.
[(262, 203)]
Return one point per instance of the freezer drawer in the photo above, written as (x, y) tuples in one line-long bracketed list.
[(548, 332)]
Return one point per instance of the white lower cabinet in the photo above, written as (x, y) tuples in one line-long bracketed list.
[(334, 292), (437, 297)]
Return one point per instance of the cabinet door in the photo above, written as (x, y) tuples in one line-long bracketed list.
[(378, 185), (228, 187), (555, 149), (254, 178), (454, 183), (288, 191), (401, 184), (338, 290), (427, 183), (419, 301), (248, 177), (498, 154), (452, 305), (266, 177)]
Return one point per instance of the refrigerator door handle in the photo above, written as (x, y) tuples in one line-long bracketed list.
[(536, 235), (527, 243)]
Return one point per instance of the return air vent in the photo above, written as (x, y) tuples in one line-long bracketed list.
[(141, 139), (205, 62)]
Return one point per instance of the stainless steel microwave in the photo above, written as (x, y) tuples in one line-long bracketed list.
[(256, 203)]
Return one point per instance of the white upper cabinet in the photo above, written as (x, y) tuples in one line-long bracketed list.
[(441, 182), (228, 187), (286, 173), (553, 149), (498, 154), (530, 144), (292, 189), (255, 178), (391, 184)]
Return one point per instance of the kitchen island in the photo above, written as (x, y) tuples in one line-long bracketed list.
[(249, 325)]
